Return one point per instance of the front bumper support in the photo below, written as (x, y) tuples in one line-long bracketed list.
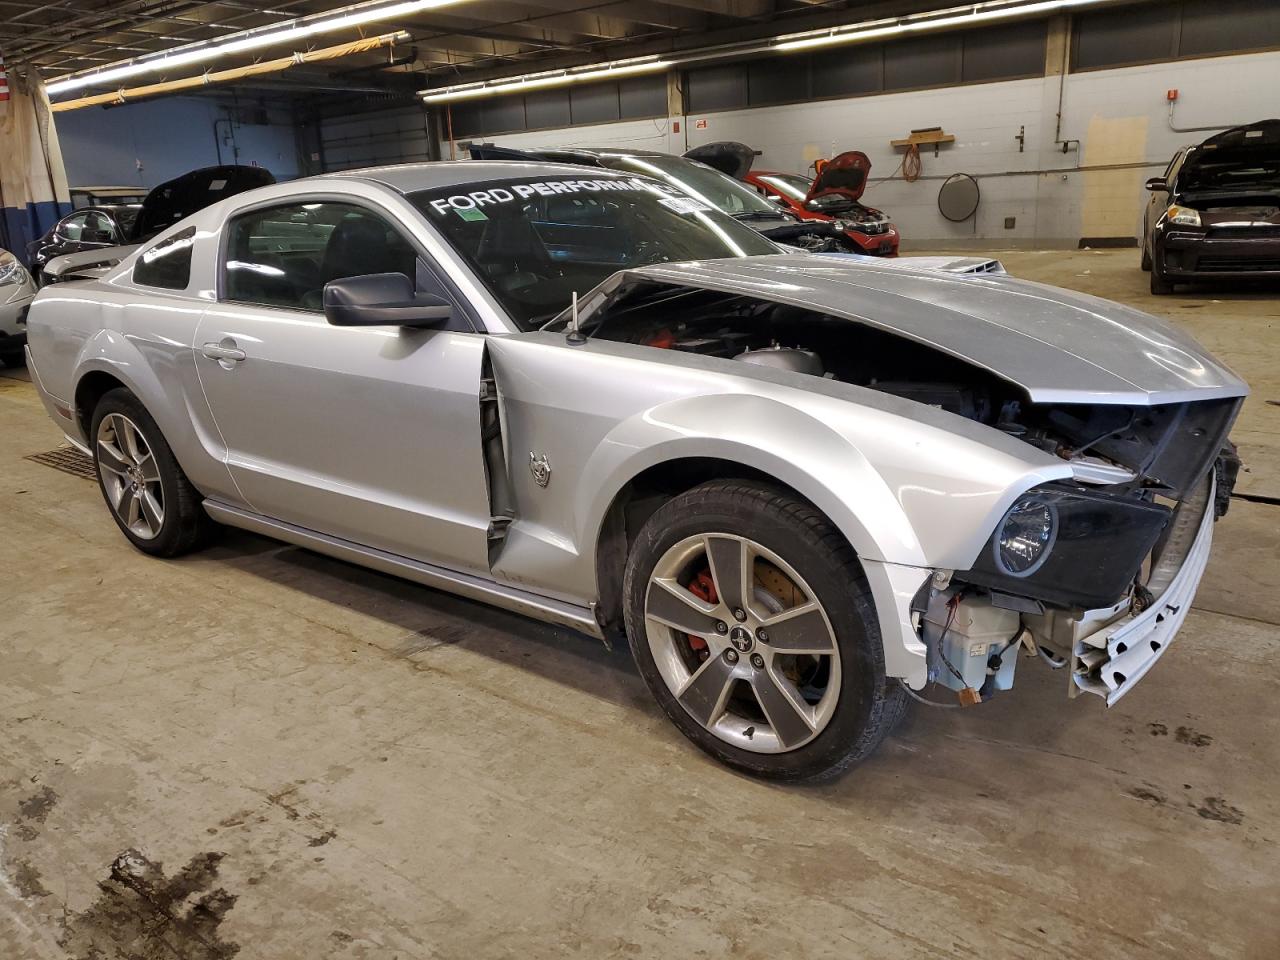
[(1109, 661)]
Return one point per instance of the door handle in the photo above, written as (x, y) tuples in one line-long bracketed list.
[(225, 351)]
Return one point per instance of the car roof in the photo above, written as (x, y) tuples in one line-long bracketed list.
[(409, 177)]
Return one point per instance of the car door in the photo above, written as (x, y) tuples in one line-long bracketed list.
[(371, 434)]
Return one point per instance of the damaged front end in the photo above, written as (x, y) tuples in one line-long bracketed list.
[(1092, 574), (1095, 577)]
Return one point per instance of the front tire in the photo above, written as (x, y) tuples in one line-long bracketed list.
[(1161, 285), (150, 498), (751, 623)]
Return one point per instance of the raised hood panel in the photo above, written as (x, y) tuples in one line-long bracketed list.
[(729, 157), (845, 175), (1059, 346)]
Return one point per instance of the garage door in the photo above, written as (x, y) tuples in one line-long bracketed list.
[(392, 136)]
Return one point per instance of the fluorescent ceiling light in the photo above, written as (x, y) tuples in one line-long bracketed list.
[(969, 14), (936, 20), (255, 39), (550, 78)]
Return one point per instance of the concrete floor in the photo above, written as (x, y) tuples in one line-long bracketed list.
[(256, 749)]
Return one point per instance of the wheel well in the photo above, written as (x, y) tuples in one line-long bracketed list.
[(91, 388), (638, 500)]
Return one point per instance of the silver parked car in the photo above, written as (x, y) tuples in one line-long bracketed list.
[(805, 486), (16, 291)]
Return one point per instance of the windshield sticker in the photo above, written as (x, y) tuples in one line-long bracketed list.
[(684, 205), (475, 200), (471, 213)]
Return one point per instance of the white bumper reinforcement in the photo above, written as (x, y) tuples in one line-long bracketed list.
[(1109, 661)]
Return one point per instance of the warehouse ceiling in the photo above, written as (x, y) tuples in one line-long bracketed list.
[(465, 40)]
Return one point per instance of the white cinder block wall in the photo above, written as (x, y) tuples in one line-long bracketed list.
[(1119, 116)]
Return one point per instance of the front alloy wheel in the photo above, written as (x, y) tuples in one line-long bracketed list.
[(751, 622), (741, 643)]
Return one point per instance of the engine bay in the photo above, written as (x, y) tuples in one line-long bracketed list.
[(1139, 450)]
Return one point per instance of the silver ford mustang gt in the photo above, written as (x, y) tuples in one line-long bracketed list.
[(804, 486)]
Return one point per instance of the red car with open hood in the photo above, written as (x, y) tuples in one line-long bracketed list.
[(835, 196)]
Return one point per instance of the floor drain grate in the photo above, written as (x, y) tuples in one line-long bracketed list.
[(68, 460)]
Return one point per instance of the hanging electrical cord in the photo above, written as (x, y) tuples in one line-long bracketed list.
[(1055, 663), (911, 163), (928, 703)]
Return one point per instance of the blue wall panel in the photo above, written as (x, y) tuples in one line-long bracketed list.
[(169, 137)]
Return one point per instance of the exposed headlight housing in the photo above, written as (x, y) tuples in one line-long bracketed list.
[(1026, 536), (1183, 215), (11, 271), (1068, 546)]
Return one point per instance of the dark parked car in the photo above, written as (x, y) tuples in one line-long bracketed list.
[(87, 229), (690, 177), (1216, 210), (119, 225)]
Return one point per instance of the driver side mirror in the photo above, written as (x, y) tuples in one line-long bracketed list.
[(1158, 183), (382, 300)]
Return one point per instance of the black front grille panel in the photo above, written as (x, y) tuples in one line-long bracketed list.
[(1237, 265)]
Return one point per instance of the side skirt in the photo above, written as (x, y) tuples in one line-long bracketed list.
[(441, 578)]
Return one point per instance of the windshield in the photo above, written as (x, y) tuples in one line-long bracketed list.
[(1229, 170), (535, 241), (702, 183), (789, 184)]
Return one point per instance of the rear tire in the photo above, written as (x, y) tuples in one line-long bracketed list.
[(150, 498), (1146, 257), (13, 358), (718, 683)]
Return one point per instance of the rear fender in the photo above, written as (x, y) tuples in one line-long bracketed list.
[(162, 376)]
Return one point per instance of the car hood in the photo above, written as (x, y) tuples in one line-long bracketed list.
[(1059, 346), (844, 175), (729, 157)]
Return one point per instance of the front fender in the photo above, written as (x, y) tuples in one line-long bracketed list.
[(765, 435)]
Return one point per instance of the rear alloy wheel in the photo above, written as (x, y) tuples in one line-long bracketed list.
[(149, 496), (130, 476), (749, 620)]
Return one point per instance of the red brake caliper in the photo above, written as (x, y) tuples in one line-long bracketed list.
[(704, 588)]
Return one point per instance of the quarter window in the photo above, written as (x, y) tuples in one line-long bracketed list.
[(283, 256), (167, 264)]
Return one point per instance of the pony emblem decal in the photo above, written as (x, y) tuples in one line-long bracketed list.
[(540, 467)]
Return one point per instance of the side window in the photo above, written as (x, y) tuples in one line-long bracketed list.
[(167, 264), (283, 256), (72, 227), (98, 228)]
